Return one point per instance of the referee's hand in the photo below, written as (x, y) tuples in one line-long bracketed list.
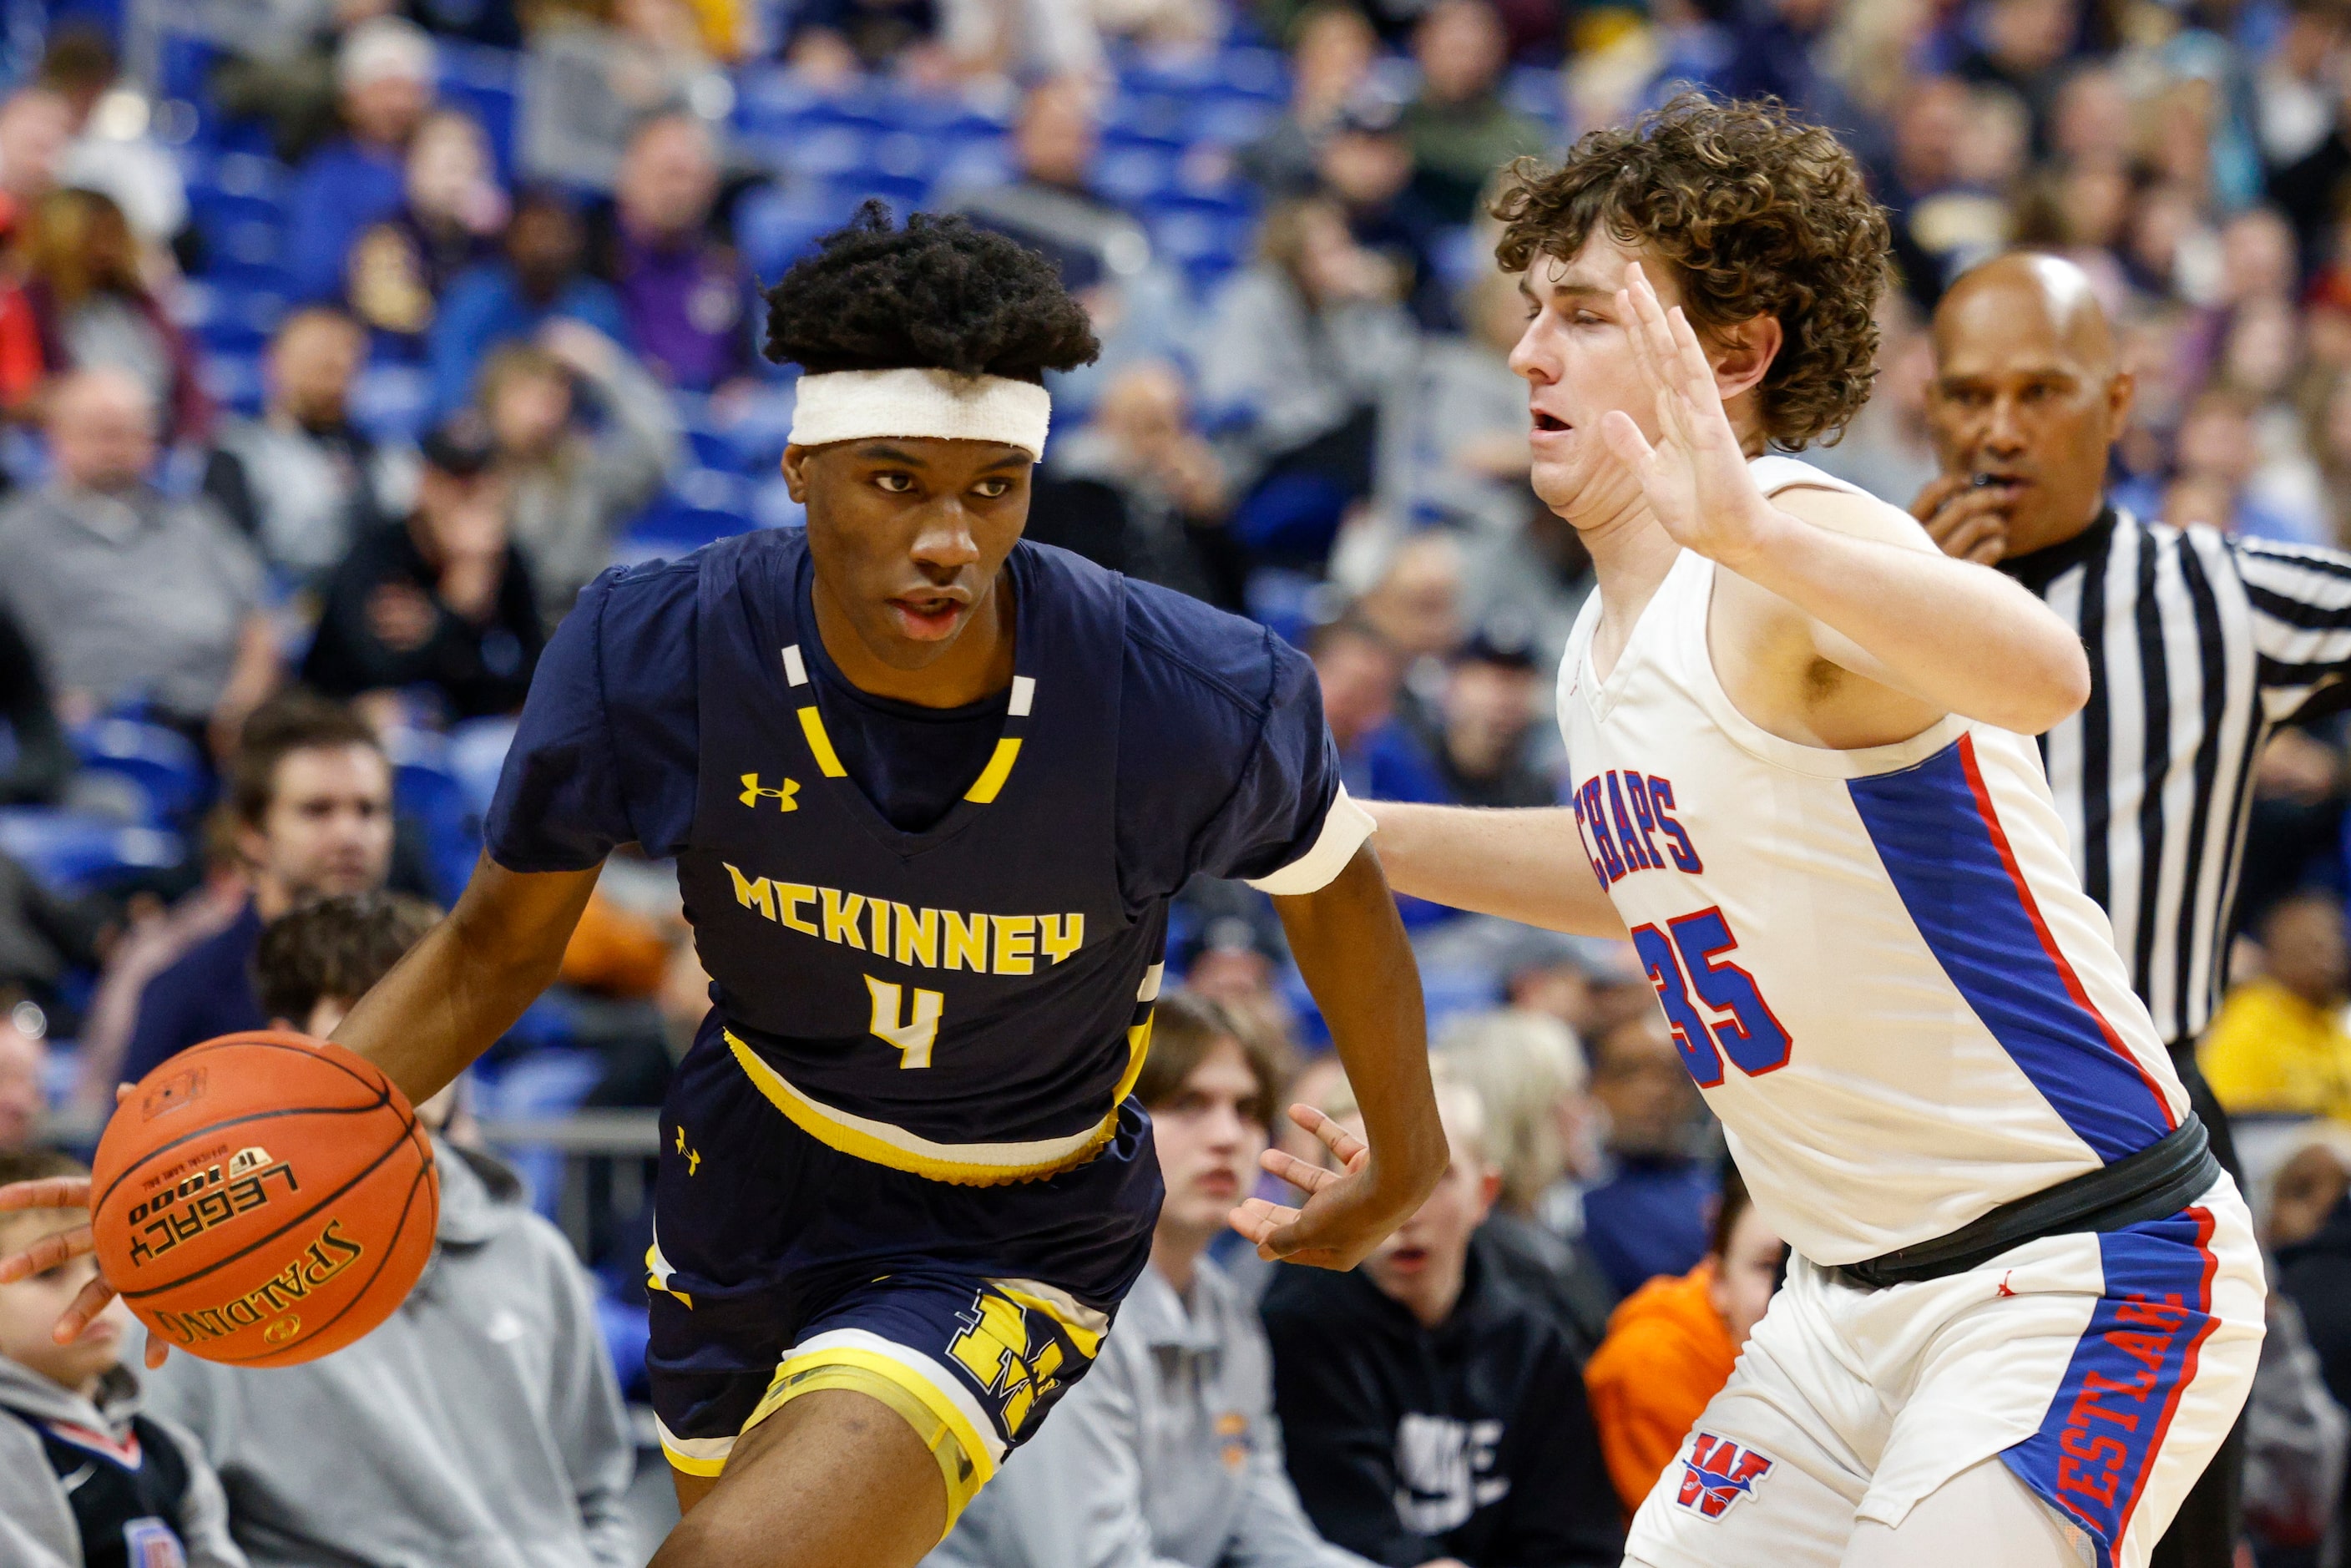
[(1965, 520)]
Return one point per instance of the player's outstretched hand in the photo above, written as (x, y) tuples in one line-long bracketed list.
[(1343, 1217), (1696, 477), (62, 1247)]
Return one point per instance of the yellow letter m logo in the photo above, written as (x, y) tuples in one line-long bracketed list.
[(752, 794), (996, 1349)]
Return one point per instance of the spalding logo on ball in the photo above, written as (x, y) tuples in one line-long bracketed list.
[(264, 1198)]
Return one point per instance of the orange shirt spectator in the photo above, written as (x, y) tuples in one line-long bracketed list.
[(1672, 1343)]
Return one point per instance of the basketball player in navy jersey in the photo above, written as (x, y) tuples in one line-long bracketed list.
[(929, 790)]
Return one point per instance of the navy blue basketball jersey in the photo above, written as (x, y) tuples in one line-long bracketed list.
[(969, 1002)]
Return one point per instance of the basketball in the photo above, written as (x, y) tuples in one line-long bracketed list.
[(264, 1198)]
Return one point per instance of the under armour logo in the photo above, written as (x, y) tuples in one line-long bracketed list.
[(1717, 1473), (753, 794), (693, 1156)]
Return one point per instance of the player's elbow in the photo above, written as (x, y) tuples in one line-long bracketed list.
[(2054, 691)]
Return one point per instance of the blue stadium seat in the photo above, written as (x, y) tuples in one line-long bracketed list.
[(392, 402), (78, 852), (162, 764), (227, 317), (427, 787), (233, 381), (483, 81), (776, 224), (477, 751)]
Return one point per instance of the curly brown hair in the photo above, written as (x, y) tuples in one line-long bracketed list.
[(1756, 214)]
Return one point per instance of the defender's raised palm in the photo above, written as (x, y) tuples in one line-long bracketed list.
[(1695, 477)]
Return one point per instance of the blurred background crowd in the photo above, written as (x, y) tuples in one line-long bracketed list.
[(341, 342)]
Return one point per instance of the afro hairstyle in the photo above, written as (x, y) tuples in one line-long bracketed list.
[(939, 294)]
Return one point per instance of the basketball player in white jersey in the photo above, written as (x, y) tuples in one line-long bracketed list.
[(2026, 1303)]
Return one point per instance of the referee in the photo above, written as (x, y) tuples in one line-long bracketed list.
[(2199, 644)]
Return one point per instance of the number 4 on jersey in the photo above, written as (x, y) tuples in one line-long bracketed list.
[(1687, 962), (915, 1029)]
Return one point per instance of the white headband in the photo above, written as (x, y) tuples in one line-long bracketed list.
[(856, 405)]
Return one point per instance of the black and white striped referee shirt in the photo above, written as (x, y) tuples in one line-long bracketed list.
[(2199, 644)]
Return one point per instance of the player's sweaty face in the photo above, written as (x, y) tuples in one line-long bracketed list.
[(1578, 365), (908, 534)]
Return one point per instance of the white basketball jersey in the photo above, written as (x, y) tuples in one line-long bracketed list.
[(1878, 963)]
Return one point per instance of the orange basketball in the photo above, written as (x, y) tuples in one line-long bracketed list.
[(263, 1198)]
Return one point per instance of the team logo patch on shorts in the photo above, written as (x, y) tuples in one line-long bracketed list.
[(1716, 1473)]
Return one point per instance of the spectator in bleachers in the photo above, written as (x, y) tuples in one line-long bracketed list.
[(1416, 602), (2278, 1045), (833, 42), (683, 288), (1460, 128), (36, 128), (1167, 1453), (311, 792), (1484, 729), (1140, 491), (24, 1081), (92, 308), (482, 1422), (1022, 41), (1332, 52), (2314, 1272), (111, 149), (540, 276), (385, 77), (1471, 439), (1528, 1071), (1105, 257), (35, 759), (572, 489), (2310, 1181), (1365, 166), (1432, 1411), (1360, 673), (1671, 1346), (1648, 1214), (301, 480), (442, 601), (1304, 359), (594, 71), (447, 223), (128, 595)]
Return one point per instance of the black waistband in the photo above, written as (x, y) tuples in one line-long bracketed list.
[(2162, 1179)]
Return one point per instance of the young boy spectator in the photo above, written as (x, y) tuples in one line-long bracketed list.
[(442, 602), (1167, 1453), (1432, 1411), (84, 1478), (481, 1424), (2278, 1046), (301, 480), (311, 792), (1671, 1347)]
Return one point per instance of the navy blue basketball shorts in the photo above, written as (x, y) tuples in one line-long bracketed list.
[(781, 1266)]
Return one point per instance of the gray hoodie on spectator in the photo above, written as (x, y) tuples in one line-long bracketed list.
[(38, 1528), (481, 1425)]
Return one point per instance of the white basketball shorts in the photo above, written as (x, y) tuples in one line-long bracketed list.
[(2104, 1370)]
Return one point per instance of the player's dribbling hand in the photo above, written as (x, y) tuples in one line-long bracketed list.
[(1965, 520), (63, 1246), (1695, 478), (1342, 1220)]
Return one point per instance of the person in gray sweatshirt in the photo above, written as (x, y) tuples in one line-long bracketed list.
[(87, 1480), (481, 1424)]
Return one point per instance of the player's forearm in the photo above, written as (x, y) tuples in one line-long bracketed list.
[(1351, 951), (1526, 864), (469, 979), (1951, 633)]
